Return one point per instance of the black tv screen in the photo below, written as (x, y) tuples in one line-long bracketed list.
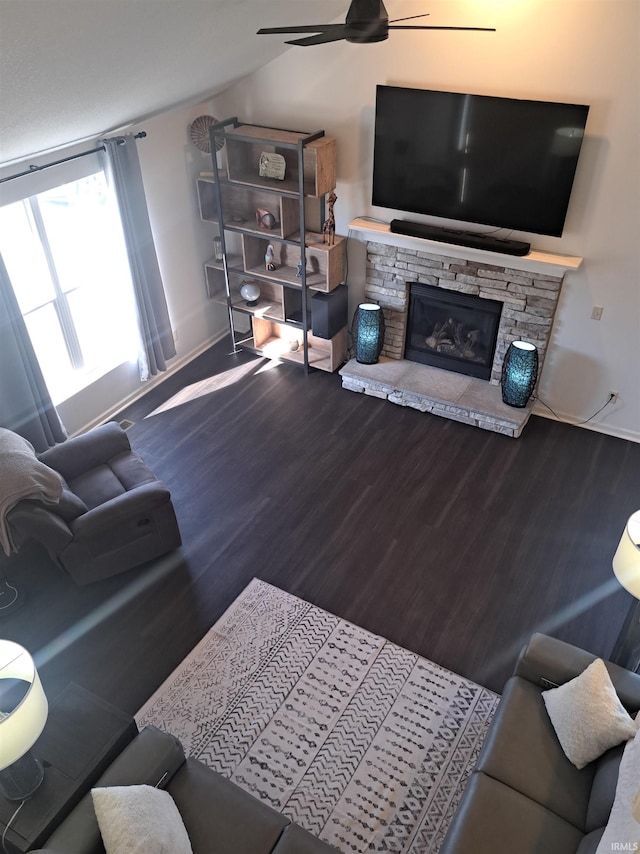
[(502, 162)]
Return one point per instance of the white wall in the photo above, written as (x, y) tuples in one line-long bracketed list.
[(580, 51), (170, 165)]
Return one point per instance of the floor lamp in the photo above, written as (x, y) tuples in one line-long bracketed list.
[(626, 566)]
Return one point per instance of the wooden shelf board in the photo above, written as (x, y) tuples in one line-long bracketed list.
[(272, 136), (286, 188), (256, 231), (287, 275), (275, 348), (270, 309), (232, 261), (314, 240)]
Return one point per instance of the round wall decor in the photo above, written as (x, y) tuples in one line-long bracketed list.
[(199, 133)]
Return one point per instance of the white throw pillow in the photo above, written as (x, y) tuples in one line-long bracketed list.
[(622, 832), (139, 820), (587, 715)]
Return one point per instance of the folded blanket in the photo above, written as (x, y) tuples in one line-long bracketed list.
[(22, 475), (622, 832)]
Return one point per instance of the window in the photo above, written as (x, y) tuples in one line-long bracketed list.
[(65, 255)]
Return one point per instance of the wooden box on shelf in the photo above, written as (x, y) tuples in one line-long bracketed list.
[(243, 159), (270, 303), (240, 204), (274, 340), (214, 277), (325, 264), (207, 203)]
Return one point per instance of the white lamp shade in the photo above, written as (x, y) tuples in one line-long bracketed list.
[(626, 561), (21, 728)]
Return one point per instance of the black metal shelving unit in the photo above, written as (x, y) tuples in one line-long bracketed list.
[(227, 131)]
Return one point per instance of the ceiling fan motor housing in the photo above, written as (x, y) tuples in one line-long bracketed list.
[(367, 22)]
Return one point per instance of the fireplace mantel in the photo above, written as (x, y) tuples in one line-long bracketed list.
[(535, 262)]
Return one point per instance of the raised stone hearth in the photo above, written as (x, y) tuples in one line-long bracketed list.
[(439, 392), (528, 287)]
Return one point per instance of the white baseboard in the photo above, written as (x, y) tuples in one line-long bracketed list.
[(597, 427), (109, 414)]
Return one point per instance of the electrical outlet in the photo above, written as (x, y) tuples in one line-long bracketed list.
[(176, 337), (596, 312), (613, 396)]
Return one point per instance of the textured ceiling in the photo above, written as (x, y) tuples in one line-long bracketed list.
[(71, 69)]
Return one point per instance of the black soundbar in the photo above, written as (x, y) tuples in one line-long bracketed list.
[(472, 239)]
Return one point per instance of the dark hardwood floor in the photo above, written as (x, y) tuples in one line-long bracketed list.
[(453, 542)]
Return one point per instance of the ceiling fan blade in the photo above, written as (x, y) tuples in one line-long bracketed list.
[(410, 18), (321, 38), (318, 28), (471, 29)]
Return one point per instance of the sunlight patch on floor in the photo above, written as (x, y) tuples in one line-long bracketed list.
[(207, 386), (268, 365)]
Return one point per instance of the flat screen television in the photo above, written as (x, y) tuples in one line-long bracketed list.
[(499, 162)]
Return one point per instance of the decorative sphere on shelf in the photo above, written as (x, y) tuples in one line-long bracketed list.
[(250, 293)]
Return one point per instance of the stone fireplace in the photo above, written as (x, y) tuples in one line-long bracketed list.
[(523, 293), (529, 299)]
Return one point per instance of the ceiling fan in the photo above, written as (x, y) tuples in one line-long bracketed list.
[(367, 21)]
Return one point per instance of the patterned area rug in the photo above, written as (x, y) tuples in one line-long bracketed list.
[(363, 743)]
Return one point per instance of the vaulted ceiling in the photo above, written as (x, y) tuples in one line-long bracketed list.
[(71, 69)]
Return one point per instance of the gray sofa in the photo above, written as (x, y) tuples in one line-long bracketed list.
[(218, 815), (114, 513), (524, 795)]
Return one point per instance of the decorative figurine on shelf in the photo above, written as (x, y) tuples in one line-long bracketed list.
[(299, 269), (265, 218), (272, 165), (269, 256), (329, 225)]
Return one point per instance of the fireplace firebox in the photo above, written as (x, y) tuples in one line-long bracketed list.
[(452, 330)]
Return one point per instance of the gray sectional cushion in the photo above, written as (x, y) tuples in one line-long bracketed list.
[(294, 840), (495, 819), (221, 817), (522, 751), (590, 842)]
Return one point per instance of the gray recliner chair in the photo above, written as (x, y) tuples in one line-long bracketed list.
[(114, 513)]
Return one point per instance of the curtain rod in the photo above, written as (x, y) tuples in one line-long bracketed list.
[(34, 168)]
